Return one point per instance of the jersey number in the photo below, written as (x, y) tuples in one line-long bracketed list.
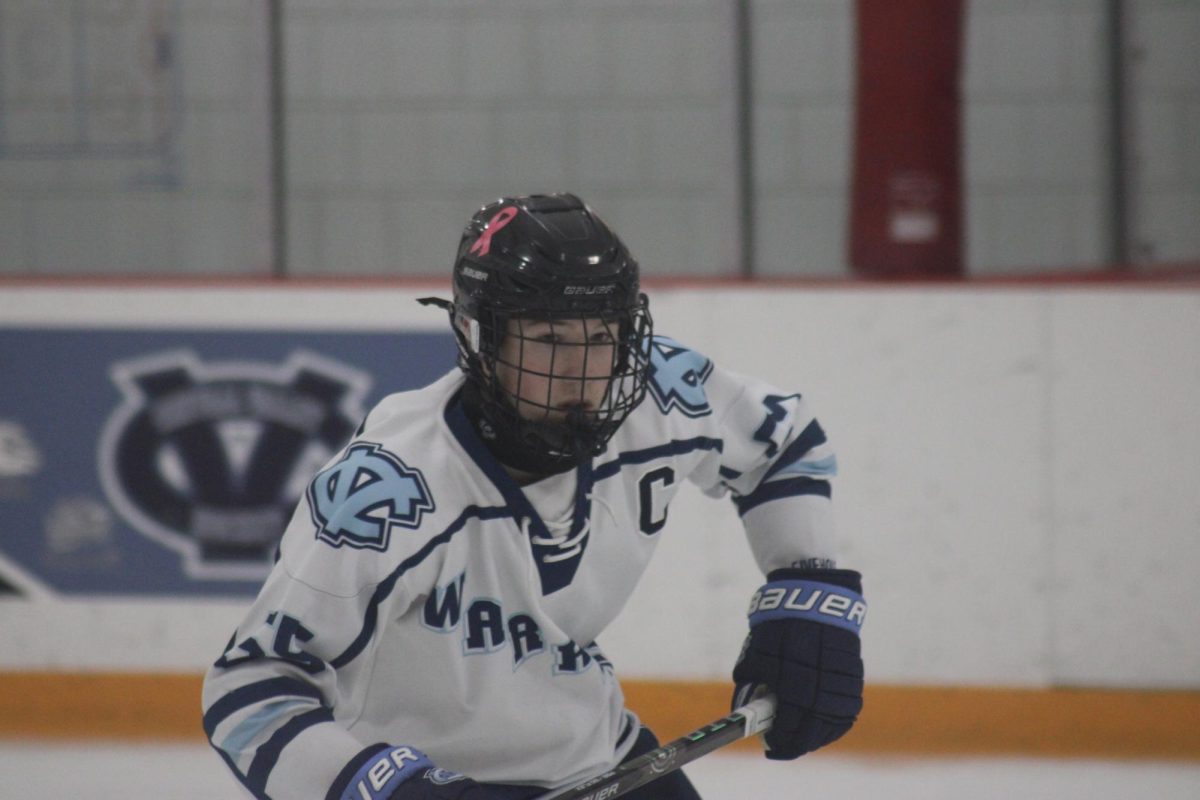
[(288, 630)]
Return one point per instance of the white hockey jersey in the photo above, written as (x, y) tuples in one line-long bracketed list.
[(423, 598)]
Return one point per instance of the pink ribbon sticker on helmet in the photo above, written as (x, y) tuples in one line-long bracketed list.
[(483, 244)]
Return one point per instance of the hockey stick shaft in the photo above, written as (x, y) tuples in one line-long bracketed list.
[(754, 717)]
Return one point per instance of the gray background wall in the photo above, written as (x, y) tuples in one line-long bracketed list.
[(135, 136)]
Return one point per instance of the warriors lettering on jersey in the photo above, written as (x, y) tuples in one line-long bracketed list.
[(488, 630)]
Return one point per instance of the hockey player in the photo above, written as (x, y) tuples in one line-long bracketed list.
[(429, 630)]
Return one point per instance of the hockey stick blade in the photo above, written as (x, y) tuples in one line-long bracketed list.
[(754, 717)]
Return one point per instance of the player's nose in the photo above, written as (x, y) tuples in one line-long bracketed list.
[(570, 362)]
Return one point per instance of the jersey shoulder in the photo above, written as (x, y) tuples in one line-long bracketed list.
[(679, 414), (737, 422), (685, 384), (677, 378), (395, 486)]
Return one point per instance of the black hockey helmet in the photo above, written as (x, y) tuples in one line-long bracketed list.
[(548, 259)]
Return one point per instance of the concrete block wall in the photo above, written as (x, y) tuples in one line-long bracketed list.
[(804, 124), (407, 117), (133, 138), (402, 117), (1035, 135), (1166, 128)]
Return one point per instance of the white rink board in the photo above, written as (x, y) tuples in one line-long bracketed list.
[(1018, 478), (1126, 477)]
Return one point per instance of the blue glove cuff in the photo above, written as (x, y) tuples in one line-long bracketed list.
[(812, 600), (384, 771)]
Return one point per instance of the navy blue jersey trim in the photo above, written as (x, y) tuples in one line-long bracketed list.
[(456, 418), (554, 575), (675, 447), (776, 413), (812, 436), (789, 487), (268, 754), (338, 787), (257, 692), (237, 774), (385, 587), (626, 729), (518, 504)]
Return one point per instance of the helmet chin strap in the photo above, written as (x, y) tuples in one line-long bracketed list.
[(535, 449)]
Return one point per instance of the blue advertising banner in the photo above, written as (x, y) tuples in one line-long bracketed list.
[(168, 462)]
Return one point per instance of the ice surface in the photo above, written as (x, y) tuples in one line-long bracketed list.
[(193, 772)]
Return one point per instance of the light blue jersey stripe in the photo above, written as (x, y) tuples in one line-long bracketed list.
[(256, 723), (823, 468)]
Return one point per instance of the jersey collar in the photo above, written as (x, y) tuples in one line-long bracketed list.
[(554, 574)]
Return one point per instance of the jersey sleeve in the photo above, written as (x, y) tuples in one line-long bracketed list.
[(774, 460), (277, 701)]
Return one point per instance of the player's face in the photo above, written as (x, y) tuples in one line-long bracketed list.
[(552, 368)]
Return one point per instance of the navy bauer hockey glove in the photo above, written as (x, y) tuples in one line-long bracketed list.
[(804, 648), (385, 772)]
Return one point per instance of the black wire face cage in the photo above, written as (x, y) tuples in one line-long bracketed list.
[(561, 383)]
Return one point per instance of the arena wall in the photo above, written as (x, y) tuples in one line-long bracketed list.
[(1018, 479)]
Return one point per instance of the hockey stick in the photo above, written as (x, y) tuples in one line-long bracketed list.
[(754, 717)]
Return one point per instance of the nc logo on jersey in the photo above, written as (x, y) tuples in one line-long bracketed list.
[(677, 377), (360, 499), (210, 458)]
